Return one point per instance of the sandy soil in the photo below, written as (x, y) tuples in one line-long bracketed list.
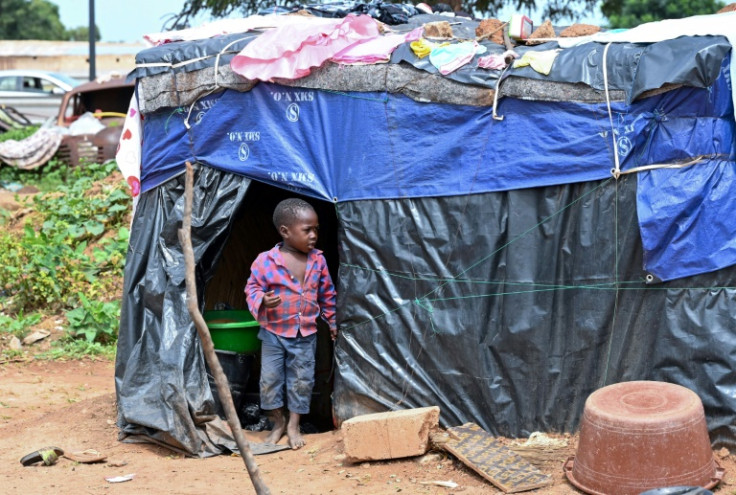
[(72, 405)]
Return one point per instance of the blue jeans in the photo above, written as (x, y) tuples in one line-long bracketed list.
[(287, 363)]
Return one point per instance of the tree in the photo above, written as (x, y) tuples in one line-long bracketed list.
[(30, 20), (37, 20), (621, 13), (630, 13), (553, 9), (81, 33)]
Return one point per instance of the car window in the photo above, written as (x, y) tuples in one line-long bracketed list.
[(33, 84), (66, 79), (47, 85), (7, 83)]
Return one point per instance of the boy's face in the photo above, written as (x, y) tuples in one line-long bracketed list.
[(302, 234)]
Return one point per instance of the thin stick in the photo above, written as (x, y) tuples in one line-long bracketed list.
[(15, 360), (223, 389)]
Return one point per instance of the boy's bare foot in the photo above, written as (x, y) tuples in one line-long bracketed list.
[(296, 441), (279, 425)]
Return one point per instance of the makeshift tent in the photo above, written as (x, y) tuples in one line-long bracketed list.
[(503, 242)]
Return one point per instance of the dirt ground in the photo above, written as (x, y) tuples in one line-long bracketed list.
[(8, 198), (72, 405)]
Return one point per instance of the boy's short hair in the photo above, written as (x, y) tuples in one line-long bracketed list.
[(287, 211)]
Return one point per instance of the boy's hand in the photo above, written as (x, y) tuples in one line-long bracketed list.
[(271, 301), (333, 333)]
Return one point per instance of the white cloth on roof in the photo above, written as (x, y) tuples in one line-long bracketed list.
[(230, 26)]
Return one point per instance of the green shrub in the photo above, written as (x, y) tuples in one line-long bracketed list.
[(69, 255), (18, 134), (95, 321), (19, 325), (55, 173)]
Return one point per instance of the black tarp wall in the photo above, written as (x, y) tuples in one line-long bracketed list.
[(507, 309)]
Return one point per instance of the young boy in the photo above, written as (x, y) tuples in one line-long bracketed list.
[(288, 288)]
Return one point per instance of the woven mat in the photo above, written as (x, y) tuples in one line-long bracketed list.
[(507, 470)]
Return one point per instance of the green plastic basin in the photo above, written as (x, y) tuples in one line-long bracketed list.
[(233, 330)]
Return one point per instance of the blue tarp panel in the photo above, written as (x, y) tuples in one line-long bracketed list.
[(376, 145), (344, 147), (686, 216), (686, 219)]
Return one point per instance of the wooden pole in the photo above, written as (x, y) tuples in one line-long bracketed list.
[(223, 388), (92, 42)]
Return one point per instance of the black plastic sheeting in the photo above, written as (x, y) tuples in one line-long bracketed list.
[(160, 374), (507, 309), (386, 12), (199, 54)]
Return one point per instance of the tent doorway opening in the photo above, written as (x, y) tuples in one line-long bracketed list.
[(252, 232)]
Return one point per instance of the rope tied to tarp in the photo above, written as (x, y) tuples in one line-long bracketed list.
[(217, 80), (616, 171)]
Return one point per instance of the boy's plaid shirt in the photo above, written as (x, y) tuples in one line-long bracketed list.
[(299, 306)]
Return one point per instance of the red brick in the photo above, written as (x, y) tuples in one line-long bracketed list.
[(389, 435)]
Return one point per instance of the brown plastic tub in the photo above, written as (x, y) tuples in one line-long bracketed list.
[(640, 435)]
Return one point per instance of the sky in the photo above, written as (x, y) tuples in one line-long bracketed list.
[(126, 20), (129, 20)]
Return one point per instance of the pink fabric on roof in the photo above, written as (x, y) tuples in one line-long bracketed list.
[(291, 52), (375, 50)]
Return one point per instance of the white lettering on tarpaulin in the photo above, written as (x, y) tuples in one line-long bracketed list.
[(298, 177), (303, 177), (201, 108), (301, 96), (624, 145), (204, 104), (243, 152), (293, 99), (292, 113), (244, 136), (623, 142)]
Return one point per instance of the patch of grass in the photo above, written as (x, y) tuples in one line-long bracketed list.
[(79, 349), (55, 174), (18, 134), (19, 325), (94, 321), (45, 178), (67, 258), (4, 217), (11, 354)]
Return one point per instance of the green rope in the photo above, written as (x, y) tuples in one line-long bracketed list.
[(406, 276), (527, 231), (176, 111), (374, 318), (425, 302), (567, 287), (604, 378)]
